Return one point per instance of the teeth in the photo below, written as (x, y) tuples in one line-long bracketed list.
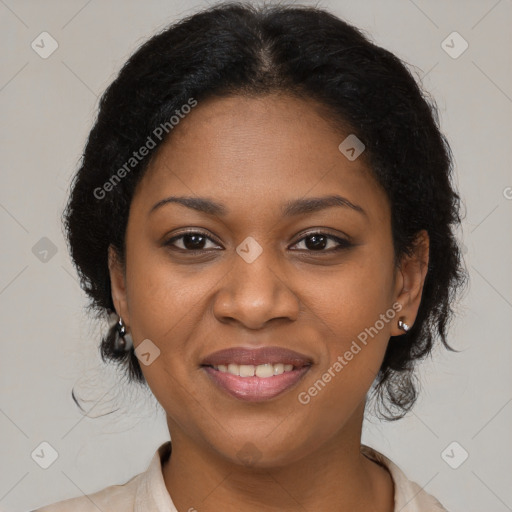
[(246, 370), (278, 368), (249, 370), (264, 370)]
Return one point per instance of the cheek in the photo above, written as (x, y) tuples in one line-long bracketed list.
[(161, 295), (164, 306), (353, 297), (167, 306), (353, 308)]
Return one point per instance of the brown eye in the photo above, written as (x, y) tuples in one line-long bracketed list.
[(194, 241), (190, 241), (317, 242)]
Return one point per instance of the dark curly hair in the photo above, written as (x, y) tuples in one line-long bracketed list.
[(237, 48)]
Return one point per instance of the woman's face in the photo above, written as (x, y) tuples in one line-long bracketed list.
[(254, 276)]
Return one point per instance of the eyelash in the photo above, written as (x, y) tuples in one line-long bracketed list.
[(343, 243)]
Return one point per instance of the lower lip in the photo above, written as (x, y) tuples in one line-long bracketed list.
[(255, 389)]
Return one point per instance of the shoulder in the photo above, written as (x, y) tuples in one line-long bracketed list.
[(116, 498), (147, 488), (409, 496)]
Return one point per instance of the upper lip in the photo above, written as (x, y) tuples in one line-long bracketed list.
[(263, 355)]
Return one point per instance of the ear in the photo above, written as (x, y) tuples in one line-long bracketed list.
[(118, 284), (410, 280)]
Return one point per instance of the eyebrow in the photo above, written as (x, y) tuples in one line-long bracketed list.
[(289, 209)]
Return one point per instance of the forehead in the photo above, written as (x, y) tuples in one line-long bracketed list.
[(250, 151)]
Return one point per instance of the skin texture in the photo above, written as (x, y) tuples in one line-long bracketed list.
[(252, 155)]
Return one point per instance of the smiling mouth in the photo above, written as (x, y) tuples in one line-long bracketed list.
[(262, 371), (255, 374), (243, 382)]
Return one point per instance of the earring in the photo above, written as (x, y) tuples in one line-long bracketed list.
[(123, 341), (402, 325)]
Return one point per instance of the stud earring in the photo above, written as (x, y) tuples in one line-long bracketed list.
[(123, 341), (402, 325)]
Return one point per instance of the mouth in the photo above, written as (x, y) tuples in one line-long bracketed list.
[(256, 374)]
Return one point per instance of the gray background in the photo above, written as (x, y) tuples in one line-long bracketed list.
[(48, 344)]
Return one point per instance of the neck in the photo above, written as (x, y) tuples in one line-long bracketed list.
[(335, 476)]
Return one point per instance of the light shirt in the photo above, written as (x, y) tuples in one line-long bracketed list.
[(147, 491)]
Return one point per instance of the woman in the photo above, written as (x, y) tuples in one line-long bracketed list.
[(265, 204)]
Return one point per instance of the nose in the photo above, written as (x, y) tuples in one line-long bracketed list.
[(253, 294)]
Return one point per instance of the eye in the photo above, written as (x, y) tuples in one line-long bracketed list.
[(195, 241), (319, 241), (191, 241)]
